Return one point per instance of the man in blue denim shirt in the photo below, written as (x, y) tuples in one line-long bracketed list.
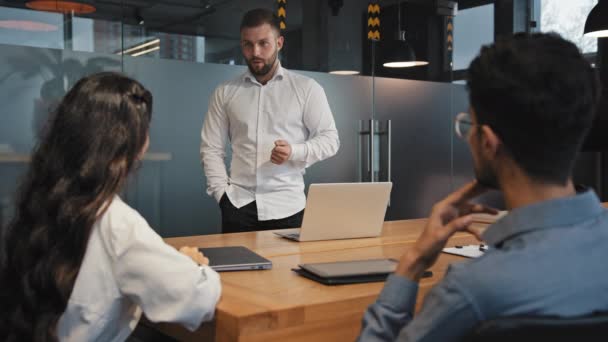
[(533, 99)]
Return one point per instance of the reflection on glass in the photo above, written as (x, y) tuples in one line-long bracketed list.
[(31, 28), (26, 27), (224, 51), (473, 28)]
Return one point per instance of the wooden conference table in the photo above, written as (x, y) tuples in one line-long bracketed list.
[(279, 305)]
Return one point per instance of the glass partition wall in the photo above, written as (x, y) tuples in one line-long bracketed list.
[(182, 50)]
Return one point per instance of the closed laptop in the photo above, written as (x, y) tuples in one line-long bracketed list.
[(235, 258)]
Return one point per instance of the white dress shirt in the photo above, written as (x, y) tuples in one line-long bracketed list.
[(128, 268), (252, 117)]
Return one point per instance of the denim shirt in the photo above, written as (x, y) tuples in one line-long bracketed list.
[(547, 258)]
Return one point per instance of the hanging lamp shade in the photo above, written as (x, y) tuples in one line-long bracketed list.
[(597, 21), (343, 59), (399, 53), (60, 6), (345, 72)]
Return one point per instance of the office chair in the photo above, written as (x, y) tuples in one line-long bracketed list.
[(591, 328)]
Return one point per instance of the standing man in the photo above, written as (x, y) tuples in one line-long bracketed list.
[(277, 123)]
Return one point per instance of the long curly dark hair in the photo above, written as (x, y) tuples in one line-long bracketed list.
[(94, 139)]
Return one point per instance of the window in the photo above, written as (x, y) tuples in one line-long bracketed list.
[(473, 28), (567, 18)]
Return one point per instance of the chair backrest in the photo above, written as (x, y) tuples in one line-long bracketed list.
[(593, 327)]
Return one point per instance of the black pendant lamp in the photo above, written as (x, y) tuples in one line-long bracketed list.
[(399, 53), (597, 21)]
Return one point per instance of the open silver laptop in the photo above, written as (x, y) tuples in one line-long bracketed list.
[(342, 211)]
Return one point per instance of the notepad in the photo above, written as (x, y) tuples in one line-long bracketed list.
[(469, 251)]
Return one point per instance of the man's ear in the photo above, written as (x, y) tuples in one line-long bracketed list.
[(490, 142), (280, 42)]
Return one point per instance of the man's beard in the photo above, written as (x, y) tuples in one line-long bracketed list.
[(265, 69), (486, 176)]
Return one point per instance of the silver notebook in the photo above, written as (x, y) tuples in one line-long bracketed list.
[(342, 211), (235, 258)]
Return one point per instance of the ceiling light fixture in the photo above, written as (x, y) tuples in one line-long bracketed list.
[(138, 18), (135, 48), (597, 21), (399, 53), (60, 6), (154, 48)]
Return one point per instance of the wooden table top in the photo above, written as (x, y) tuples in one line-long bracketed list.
[(267, 244), (278, 304)]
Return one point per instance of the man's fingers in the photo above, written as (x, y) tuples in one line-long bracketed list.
[(465, 193), (282, 152), (280, 143), (277, 160), (473, 232), (278, 155), (279, 151), (482, 209), (459, 224)]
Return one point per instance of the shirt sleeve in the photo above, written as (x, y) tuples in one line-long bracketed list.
[(447, 313), (214, 136), (167, 285), (323, 141), (392, 310)]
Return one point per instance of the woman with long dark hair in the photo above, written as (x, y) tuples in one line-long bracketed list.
[(76, 262)]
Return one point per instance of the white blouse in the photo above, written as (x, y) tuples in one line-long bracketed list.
[(127, 269)]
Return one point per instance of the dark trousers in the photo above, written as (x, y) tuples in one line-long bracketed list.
[(245, 219)]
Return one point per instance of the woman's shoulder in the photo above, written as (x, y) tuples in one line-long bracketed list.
[(119, 215), (120, 226)]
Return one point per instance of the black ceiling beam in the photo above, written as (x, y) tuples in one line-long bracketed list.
[(465, 4), (511, 16)]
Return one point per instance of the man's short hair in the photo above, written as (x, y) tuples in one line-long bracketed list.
[(539, 95), (260, 16)]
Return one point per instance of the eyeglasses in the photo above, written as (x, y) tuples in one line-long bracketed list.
[(463, 125)]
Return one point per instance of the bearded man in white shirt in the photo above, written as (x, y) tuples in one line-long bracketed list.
[(277, 123)]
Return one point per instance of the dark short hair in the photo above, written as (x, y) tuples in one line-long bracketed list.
[(260, 16), (539, 94)]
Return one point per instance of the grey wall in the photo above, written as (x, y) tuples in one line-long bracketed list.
[(171, 195), (31, 82)]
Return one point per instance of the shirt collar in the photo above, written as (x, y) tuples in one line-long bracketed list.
[(544, 215), (279, 74)]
